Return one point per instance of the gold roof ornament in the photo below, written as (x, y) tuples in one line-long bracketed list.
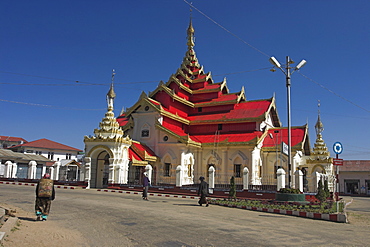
[(190, 33), (109, 129), (319, 127), (320, 152), (111, 94)]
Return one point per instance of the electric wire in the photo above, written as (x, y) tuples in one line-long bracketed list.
[(331, 91), (50, 106), (222, 27), (236, 36)]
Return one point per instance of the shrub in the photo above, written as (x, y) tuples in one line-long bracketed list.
[(326, 188), (290, 191), (232, 193), (321, 195)]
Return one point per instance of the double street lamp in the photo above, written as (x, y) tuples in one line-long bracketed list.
[(288, 73)]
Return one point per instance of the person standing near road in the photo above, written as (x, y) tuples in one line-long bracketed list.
[(45, 193), (146, 183), (203, 192)]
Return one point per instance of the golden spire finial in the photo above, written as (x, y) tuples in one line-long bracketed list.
[(190, 33), (319, 126), (111, 94)]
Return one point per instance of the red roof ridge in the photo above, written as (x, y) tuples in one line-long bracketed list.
[(46, 143)]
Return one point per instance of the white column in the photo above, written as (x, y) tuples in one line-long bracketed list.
[(123, 172), (211, 173), (256, 156), (8, 169), (14, 170), (88, 171), (32, 169), (44, 171), (316, 178), (298, 177), (245, 178), (178, 176), (280, 178), (111, 170), (57, 166), (51, 172)]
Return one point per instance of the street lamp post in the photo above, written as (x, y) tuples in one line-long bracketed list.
[(288, 74)]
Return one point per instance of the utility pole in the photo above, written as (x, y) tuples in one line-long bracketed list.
[(288, 74)]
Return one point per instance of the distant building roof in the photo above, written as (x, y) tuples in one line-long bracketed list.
[(355, 166), (45, 143), (12, 139), (6, 154)]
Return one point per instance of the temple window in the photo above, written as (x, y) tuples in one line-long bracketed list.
[(237, 170), (145, 133), (167, 169)]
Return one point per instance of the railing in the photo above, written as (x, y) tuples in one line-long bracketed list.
[(222, 182)]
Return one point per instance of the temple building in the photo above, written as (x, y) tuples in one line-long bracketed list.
[(191, 126)]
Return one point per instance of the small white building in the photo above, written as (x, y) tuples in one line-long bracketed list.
[(65, 166), (15, 165)]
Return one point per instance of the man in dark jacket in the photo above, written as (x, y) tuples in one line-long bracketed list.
[(203, 192), (146, 183), (45, 193)]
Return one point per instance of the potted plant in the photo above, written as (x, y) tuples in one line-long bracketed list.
[(290, 195)]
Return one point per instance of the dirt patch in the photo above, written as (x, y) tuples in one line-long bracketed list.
[(358, 219), (30, 232)]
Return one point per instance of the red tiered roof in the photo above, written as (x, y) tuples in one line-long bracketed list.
[(249, 109), (138, 151), (229, 137), (297, 136), (122, 120)]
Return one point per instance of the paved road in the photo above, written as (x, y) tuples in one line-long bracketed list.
[(114, 219)]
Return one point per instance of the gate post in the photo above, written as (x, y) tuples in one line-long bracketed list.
[(211, 173), (178, 176), (298, 175), (280, 178), (88, 171), (245, 178)]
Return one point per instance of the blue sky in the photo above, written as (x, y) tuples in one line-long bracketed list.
[(46, 46)]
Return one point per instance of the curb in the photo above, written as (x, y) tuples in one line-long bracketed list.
[(7, 224), (340, 218), (150, 194), (34, 184)]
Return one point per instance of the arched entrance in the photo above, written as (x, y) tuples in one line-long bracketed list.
[(102, 170)]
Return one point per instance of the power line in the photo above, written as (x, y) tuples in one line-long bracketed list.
[(49, 106), (349, 101), (222, 27), (331, 91), (81, 83)]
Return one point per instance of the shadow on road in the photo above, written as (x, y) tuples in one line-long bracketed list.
[(192, 205), (27, 218)]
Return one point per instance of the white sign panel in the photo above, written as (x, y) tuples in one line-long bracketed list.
[(285, 148)]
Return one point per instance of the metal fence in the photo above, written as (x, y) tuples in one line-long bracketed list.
[(222, 181)]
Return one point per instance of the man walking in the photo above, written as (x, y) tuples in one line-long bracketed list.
[(203, 192), (146, 183), (45, 193)]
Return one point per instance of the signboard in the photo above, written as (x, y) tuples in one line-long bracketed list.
[(338, 148), (285, 148), (338, 162)]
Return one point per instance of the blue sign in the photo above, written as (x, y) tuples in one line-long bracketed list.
[(338, 148)]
